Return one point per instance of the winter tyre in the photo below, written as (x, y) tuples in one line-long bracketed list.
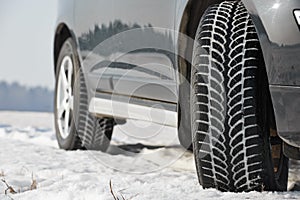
[(231, 110)]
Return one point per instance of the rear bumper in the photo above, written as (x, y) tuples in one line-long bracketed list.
[(286, 102)]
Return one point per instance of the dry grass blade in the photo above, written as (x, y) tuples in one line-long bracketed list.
[(122, 197), (33, 185), (134, 196), (111, 191), (9, 188), (113, 194)]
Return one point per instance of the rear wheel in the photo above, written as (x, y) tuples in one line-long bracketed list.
[(231, 110), (76, 128)]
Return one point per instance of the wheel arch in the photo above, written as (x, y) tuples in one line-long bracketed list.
[(62, 33)]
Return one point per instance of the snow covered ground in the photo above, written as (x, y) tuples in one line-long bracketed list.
[(142, 163)]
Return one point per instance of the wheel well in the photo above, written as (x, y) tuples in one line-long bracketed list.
[(62, 33)]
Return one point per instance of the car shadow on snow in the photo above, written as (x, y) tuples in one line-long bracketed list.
[(128, 149)]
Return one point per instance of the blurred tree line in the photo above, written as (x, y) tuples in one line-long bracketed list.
[(20, 98), (140, 38)]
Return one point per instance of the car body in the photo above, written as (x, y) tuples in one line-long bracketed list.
[(125, 82)]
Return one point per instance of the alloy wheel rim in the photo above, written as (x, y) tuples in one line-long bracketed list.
[(65, 97)]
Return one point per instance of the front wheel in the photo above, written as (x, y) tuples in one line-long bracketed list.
[(76, 128), (231, 110)]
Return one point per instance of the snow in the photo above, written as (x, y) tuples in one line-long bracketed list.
[(142, 163)]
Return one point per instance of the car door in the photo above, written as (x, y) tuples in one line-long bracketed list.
[(144, 67), (93, 27)]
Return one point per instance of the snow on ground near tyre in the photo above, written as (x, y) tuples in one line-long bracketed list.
[(142, 163)]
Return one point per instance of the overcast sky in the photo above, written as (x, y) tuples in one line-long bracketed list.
[(26, 40)]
